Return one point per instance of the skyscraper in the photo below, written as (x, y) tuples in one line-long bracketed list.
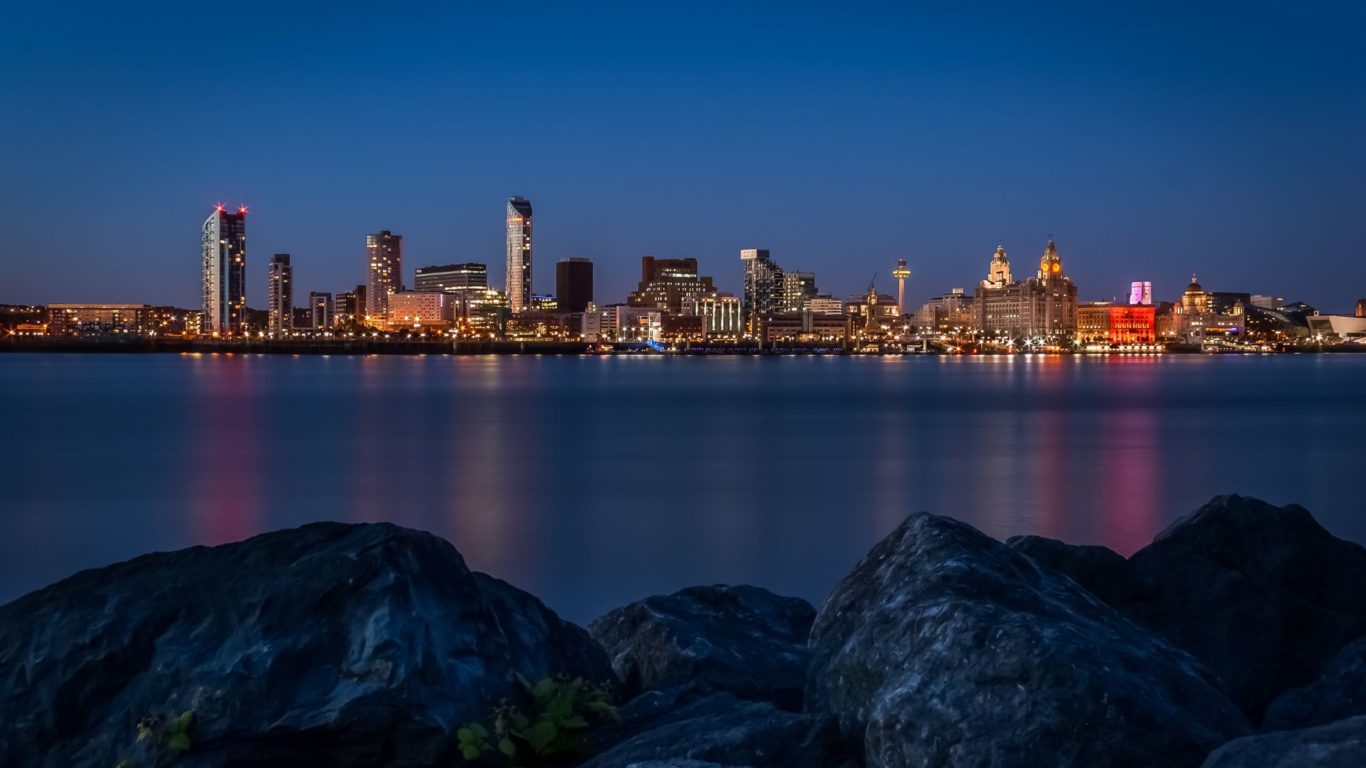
[(280, 311), (574, 284), (763, 289), (384, 250), (224, 244), (519, 254)]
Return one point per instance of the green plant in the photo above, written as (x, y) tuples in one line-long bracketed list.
[(161, 740), (554, 725)]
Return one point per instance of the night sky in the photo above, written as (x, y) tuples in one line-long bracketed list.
[(1150, 140)]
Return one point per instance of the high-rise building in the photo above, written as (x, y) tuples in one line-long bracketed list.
[(1044, 307), (361, 290), (344, 306), (666, 283), (519, 254), (467, 283), (321, 308), (384, 250), (574, 284), (798, 290), (280, 311), (224, 245), (763, 289)]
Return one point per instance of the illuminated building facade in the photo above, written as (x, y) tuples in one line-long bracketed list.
[(574, 284), (946, 313), (519, 254), (97, 319), (1201, 316), (825, 304), (1134, 325), (763, 288), (1044, 307), (384, 252), (1140, 293), (466, 283), (345, 307), (425, 309), (619, 322), (280, 307), (1093, 323), (665, 284), (224, 252), (798, 290), (321, 308), (720, 313)]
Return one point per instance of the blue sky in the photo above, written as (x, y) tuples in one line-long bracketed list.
[(1151, 140)]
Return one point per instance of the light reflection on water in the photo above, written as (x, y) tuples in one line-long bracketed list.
[(593, 481)]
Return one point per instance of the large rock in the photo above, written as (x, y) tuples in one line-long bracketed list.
[(721, 728), (1102, 571), (1337, 745), (339, 645), (1262, 594), (945, 647), (1339, 693), (741, 639)]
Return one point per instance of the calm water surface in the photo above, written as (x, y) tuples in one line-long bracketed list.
[(594, 481)]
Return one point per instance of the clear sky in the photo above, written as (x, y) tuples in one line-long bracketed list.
[(1151, 140)]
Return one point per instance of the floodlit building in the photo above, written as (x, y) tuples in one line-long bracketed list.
[(224, 262), (1338, 326), (763, 289), (946, 313), (619, 322), (97, 319), (280, 306), (720, 313), (425, 309), (467, 283), (384, 251), (665, 284), (1042, 307), (798, 290), (519, 254)]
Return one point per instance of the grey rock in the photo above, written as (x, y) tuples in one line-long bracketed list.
[(1262, 594), (947, 648), (1339, 693), (721, 728), (1337, 745), (1102, 571), (676, 764), (741, 639), (338, 645)]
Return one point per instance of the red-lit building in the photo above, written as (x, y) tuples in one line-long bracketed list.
[(1133, 325)]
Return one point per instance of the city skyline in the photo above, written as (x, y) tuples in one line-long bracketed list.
[(843, 141)]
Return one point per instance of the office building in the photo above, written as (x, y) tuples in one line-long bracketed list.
[(762, 289), (1041, 308), (574, 284), (344, 308), (224, 252), (466, 283), (419, 309), (97, 319), (519, 254), (825, 304), (665, 284), (798, 290), (384, 252), (322, 310), (280, 307), (946, 313), (619, 322)]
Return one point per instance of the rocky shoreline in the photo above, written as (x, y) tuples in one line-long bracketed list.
[(1237, 638)]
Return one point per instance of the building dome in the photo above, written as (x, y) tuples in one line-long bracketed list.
[(1194, 287)]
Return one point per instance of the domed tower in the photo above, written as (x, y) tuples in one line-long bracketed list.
[(1050, 264), (998, 274)]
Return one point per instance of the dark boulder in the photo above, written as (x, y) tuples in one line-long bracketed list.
[(718, 727), (1262, 594), (741, 639), (1339, 693), (338, 645), (1337, 745), (1102, 571), (946, 647)]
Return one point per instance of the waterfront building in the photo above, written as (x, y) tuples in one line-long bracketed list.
[(809, 327), (665, 284), (420, 309), (720, 313), (360, 292), (280, 296), (224, 261), (322, 310), (1042, 308), (1093, 323), (466, 283), (97, 319), (620, 322), (1140, 293), (519, 254), (344, 306), (798, 290), (1342, 327), (874, 315), (574, 283), (825, 304), (762, 289), (301, 318), (384, 251), (946, 313), (1201, 316)]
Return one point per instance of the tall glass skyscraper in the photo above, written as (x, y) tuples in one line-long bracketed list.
[(384, 252), (224, 241), (763, 289), (280, 311), (519, 254)]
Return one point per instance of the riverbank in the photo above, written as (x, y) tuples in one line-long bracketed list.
[(1233, 639), (398, 346)]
